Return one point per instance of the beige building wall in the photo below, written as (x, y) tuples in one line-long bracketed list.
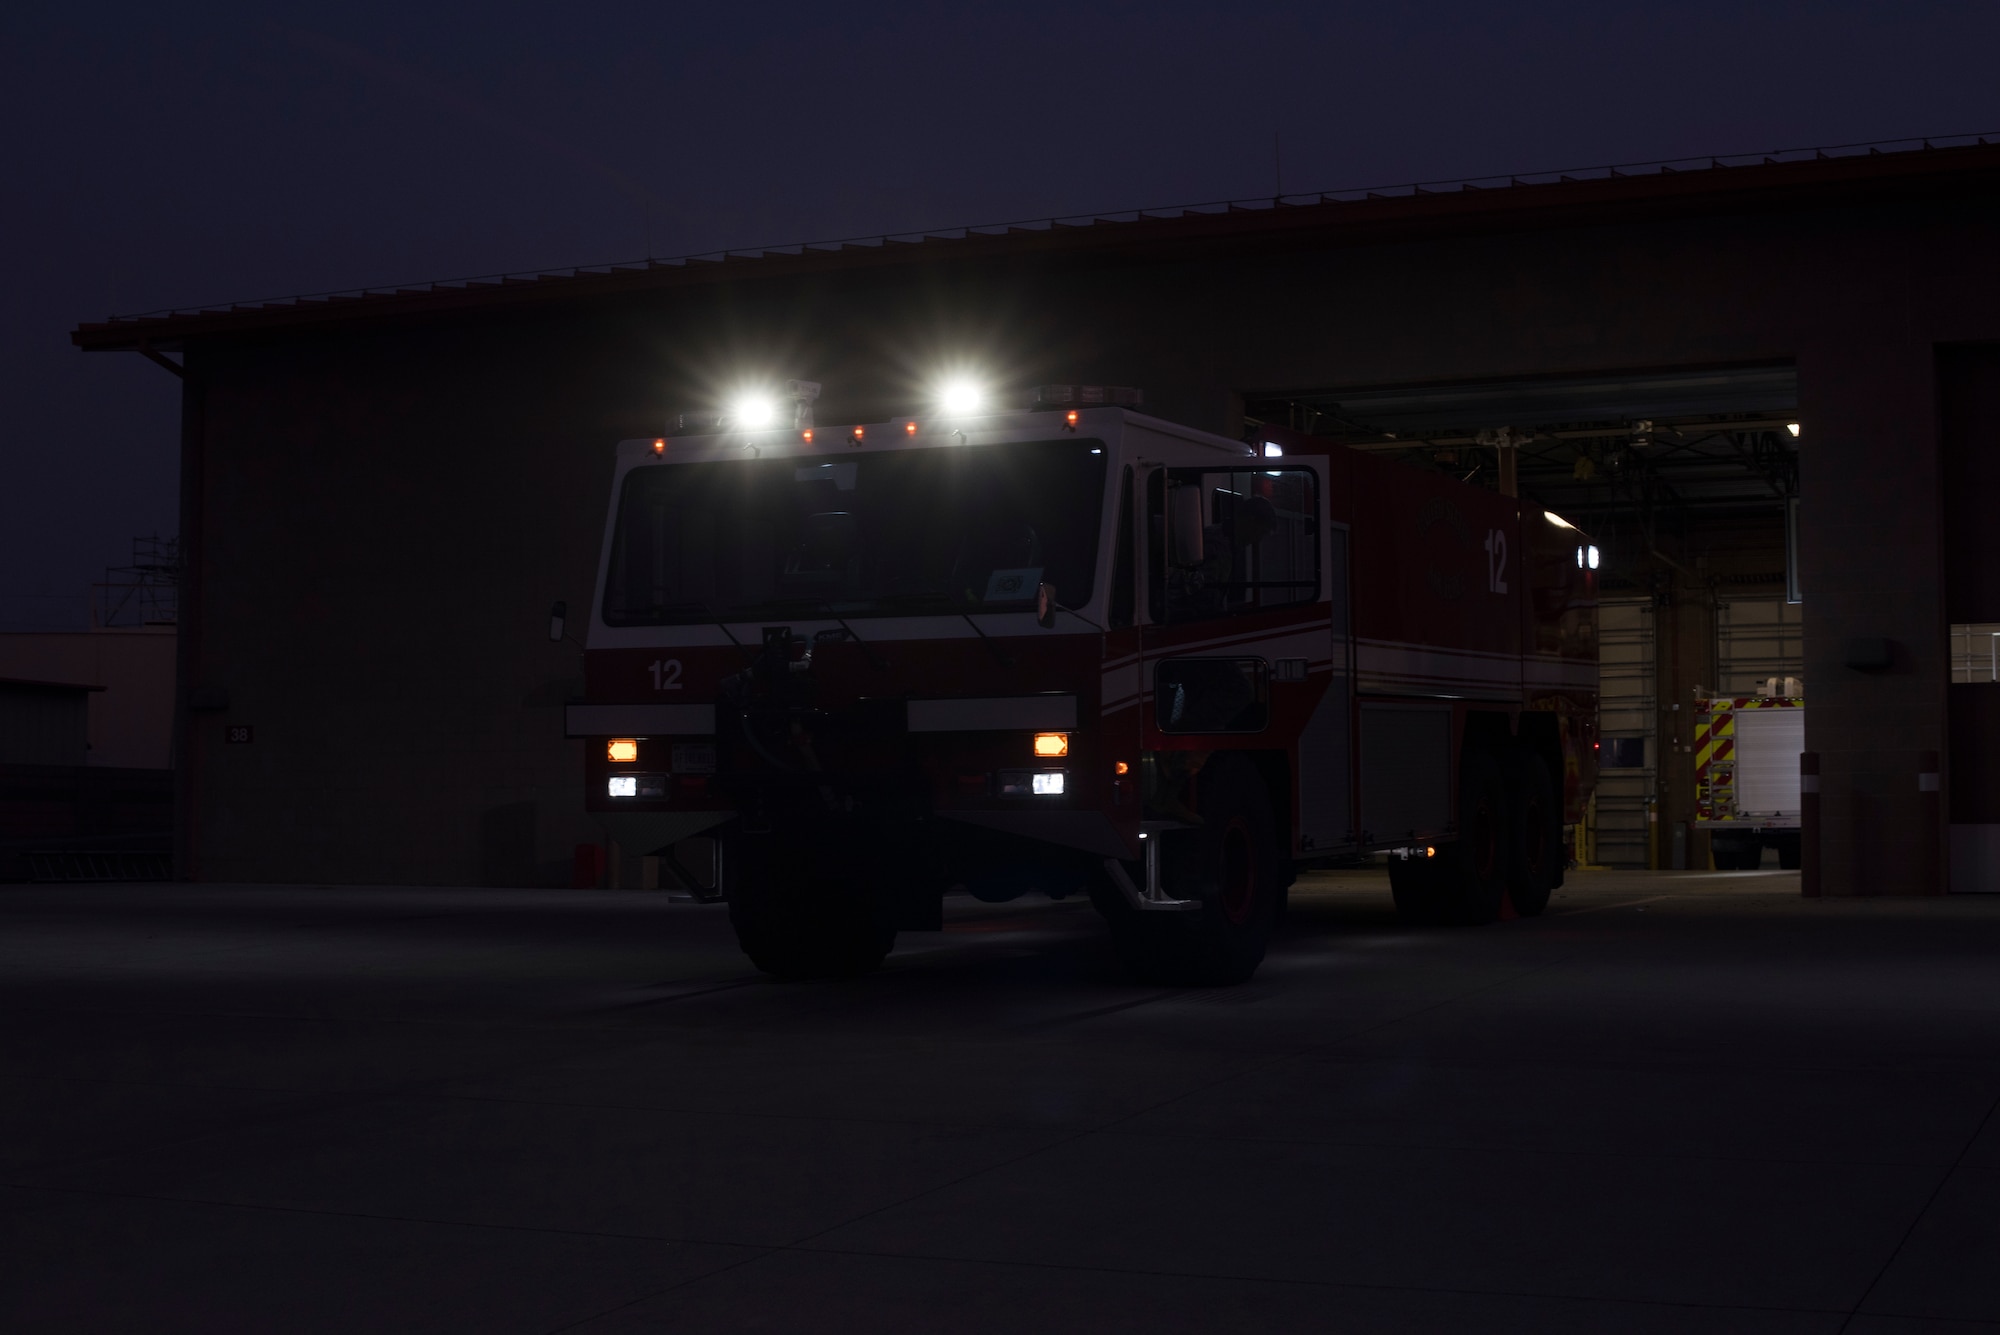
[(132, 718)]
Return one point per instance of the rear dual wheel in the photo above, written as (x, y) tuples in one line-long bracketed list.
[(1509, 847), (1539, 853)]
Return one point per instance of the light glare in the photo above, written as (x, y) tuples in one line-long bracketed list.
[(1557, 519), (960, 398), (754, 412)]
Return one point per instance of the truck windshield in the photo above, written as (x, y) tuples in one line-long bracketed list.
[(905, 532)]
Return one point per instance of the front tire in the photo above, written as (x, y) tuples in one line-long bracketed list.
[(1230, 864), (798, 917)]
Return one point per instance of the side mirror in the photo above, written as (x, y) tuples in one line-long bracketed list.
[(1045, 605), (557, 615), (1184, 525)]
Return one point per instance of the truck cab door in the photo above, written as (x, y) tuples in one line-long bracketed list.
[(1122, 685)]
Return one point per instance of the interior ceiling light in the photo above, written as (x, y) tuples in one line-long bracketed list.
[(1557, 519)]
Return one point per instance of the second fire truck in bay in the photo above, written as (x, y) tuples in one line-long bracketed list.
[(833, 672)]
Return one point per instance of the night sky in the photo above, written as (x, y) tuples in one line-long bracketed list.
[(165, 155)]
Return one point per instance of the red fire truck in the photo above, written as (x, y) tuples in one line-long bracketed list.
[(833, 672)]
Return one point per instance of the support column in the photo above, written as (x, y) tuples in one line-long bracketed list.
[(1684, 648), (187, 738), (1872, 580)]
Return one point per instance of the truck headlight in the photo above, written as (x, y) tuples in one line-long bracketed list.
[(1032, 783), (624, 785)]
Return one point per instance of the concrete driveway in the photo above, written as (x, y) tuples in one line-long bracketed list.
[(1675, 1102)]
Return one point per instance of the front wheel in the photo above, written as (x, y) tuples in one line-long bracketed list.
[(1231, 865), (797, 917)]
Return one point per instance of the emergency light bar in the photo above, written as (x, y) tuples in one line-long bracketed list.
[(1087, 396)]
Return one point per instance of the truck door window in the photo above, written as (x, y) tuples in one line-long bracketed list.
[(1258, 547), (1212, 694), (1124, 576)]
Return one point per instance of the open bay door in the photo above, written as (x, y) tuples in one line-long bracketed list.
[(1326, 749)]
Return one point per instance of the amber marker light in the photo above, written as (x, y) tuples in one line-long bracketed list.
[(1069, 419), (1121, 768), (623, 750), (809, 437), (858, 434), (660, 446), (911, 428), (1051, 744)]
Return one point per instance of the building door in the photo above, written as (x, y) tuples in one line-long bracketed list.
[(1628, 714)]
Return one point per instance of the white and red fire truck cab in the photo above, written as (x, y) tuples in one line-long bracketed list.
[(832, 672)]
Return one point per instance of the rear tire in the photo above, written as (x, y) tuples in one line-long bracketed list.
[(1478, 863), (1538, 833), (1788, 852), (1230, 864)]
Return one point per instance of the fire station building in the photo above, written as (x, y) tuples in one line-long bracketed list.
[(1767, 390)]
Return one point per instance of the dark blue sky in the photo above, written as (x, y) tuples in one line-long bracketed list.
[(169, 155)]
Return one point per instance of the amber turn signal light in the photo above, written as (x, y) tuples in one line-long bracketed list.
[(623, 750), (1050, 744), (1121, 768)]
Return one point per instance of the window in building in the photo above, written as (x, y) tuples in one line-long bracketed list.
[(1975, 652), (1623, 753)]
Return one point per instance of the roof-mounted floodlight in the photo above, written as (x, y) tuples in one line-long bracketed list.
[(960, 397), (753, 412), (1273, 450)]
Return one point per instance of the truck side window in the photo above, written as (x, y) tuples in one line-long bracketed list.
[(1124, 573), (1259, 543)]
